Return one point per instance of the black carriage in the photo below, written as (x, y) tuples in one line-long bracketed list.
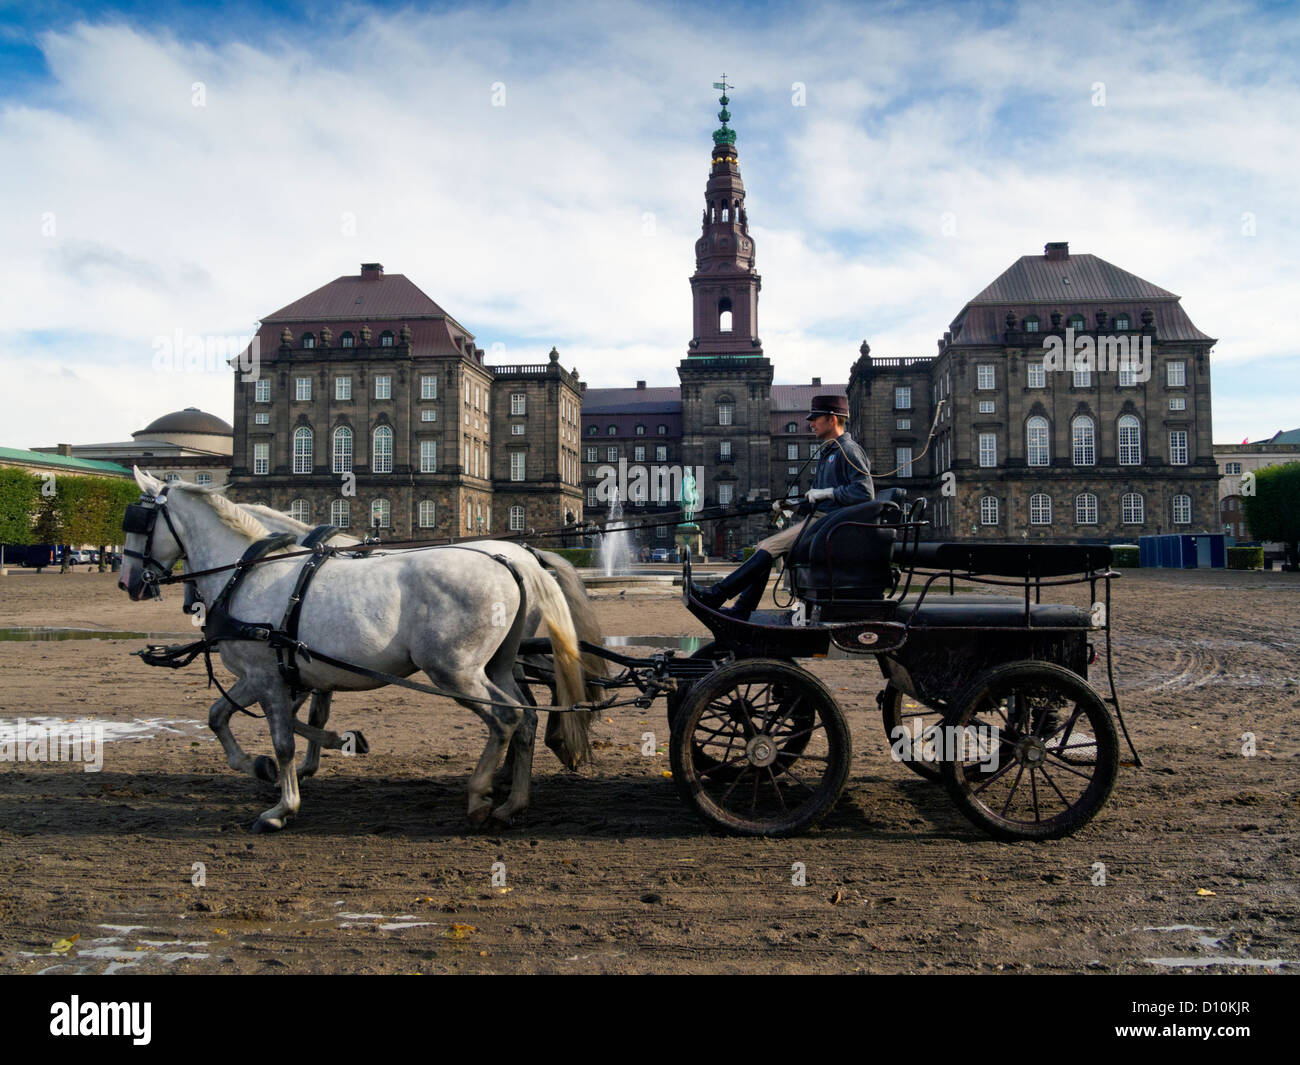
[(986, 693)]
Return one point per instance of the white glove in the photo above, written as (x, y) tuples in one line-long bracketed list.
[(816, 495)]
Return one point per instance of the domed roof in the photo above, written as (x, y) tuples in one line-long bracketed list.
[(189, 420)]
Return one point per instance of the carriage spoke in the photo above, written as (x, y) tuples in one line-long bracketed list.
[(1058, 791), (777, 788), (1012, 793)]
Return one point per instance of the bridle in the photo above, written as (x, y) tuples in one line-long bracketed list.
[(142, 517)]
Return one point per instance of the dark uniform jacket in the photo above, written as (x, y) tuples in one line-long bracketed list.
[(843, 465)]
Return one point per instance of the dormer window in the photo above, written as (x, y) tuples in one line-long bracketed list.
[(1076, 322), (1121, 322), (791, 427), (308, 340), (386, 339), (347, 340), (1031, 324)]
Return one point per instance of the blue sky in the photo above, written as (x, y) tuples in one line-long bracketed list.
[(193, 168)]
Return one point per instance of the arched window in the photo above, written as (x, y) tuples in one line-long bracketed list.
[(791, 427), (1130, 441), (640, 430), (989, 510), (347, 340), (726, 213), (302, 450), (1084, 435), (300, 510), (381, 458), (1085, 509), (1182, 510), (1037, 452), (386, 339), (308, 340), (427, 514), (662, 430), (381, 514), (1075, 322), (342, 451), (1132, 509), (612, 430), (724, 315), (1040, 509), (341, 513), (592, 430), (516, 519), (1031, 324)]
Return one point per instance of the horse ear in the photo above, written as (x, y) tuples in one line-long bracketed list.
[(148, 484)]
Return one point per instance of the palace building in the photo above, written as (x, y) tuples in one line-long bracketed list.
[(373, 408)]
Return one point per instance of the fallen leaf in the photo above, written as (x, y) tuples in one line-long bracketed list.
[(460, 931), (668, 774), (65, 945), (1204, 891), (837, 898)]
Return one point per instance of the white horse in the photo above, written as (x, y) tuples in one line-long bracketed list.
[(566, 733), (456, 613)]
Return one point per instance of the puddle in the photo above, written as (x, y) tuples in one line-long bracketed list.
[(1206, 963), (689, 644), (45, 633)]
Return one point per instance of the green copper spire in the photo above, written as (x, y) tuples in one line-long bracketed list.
[(723, 135)]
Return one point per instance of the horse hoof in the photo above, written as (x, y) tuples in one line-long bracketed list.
[(264, 768), (266, 824), (360, 746), (478, 817)]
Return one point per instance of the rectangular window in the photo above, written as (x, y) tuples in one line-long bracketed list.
[(1178, 447), (383, 386), (261, 418), (1085, 509), (261, 458), (903, 460), (262, 391), (725, 411), (1176, 374), (1083, 377), (428, 415), (791, 470), (725, 494), (1127, 376), (593, 454), (661, 453), (517, 429), (903, 423), (611, 454), (591, 497), (1177, 402), (984, 376), (340, 513), (517, 459), (986, 406), (791, 451), (724, 449), (428, 456), (1232, 467), (1035, 375), (204, 479), (638, 453), (903, 397), (989, 510), (988, 449), (428, 386), (302, 386), (342, 388), (1182, 510), (426, 514), (517, 401)]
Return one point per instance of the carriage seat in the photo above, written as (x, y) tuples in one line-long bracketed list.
[(848, 550)]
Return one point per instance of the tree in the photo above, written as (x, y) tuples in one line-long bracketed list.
[(47, 528), (19, 494), (1273, 512), (118, 495)]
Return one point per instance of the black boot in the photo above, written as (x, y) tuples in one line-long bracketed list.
[(749, 599), (760, 562)]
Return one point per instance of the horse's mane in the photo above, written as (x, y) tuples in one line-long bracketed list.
[(279, 515), (233, 517)]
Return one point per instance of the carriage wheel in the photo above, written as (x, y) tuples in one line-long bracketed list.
[(760, 747), (899, 710), (1032, 752), (709, 650)]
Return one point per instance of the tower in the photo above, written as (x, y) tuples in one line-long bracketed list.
[(726, 380)]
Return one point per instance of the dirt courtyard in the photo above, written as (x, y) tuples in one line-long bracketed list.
[(608, 871)]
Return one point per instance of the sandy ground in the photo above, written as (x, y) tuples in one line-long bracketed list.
[(608, 871)]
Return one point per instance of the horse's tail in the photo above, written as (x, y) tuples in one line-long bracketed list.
[(583, 612), (572, 744)]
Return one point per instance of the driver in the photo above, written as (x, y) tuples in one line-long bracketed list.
[(842, 479)]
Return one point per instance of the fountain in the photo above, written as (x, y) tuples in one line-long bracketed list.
[(615, 545)]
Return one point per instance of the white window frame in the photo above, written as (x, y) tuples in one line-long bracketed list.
[(902, 397), (1083, 441), (341, 513), (1177, 402), (342, 388), (261, 459), (381, 459), (903, 461), (989, 510), (593, 454), (1178, 452), (988, 450), (986, 376), (1085, 509), (1038, 441), (726, 413), (518, 403), (429, 386), (341, 455), (518, 429), (1132, 509), (261, 390), (302, 389), (1182, 508), (1176, 373), (1130, 452), (726, 492), (1035, 375), (517, 517), (518, 466), (383, 386), (300, 510), (1040, 509), (428, 456), (203, 479), (428, 414), (988, 406), (427, 514), (261, 417), (303, 457), (384, 509)]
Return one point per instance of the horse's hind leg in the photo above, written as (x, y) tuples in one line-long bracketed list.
[(318, 716), (279, 707), (219, 715), (501, 722)]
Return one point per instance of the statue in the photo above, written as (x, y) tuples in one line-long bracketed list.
[(690, 496)]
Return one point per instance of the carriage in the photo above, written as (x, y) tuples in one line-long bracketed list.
[(986, 693)]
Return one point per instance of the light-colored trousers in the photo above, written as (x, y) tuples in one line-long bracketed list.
[(781, 541)]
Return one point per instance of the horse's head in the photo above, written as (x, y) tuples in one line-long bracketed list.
[(152, 543)]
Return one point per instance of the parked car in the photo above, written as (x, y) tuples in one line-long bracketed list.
[(661, 554)]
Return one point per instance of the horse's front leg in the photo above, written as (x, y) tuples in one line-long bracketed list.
[(220, 712), (520, 761), (318, 716), (501, 723), (279, 706)]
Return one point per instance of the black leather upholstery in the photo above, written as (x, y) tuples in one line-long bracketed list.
[(844, 552)]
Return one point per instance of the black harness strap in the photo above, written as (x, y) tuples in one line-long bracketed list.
[(319, 535), (286, 653)]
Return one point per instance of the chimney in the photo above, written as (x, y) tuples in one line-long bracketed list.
[(372, 271), (640, 384), (817, 380), (65, 450), (1058, 251)]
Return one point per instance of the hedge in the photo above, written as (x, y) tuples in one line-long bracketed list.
[(578, 556), (1124, 557), (1245, 558)]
